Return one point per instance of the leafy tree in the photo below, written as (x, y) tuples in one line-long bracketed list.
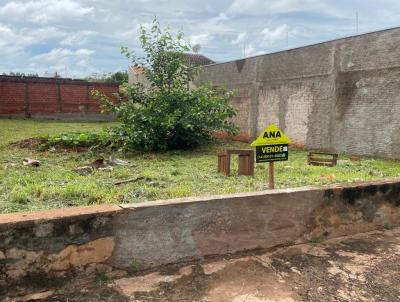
[(119, 77), (167, 114)]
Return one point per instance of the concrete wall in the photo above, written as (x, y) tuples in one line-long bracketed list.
[(54, 244), (342, 96), (51, 98)]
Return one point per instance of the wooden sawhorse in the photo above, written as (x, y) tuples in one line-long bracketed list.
[(246, 162)]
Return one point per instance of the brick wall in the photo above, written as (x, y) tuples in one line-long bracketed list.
[(342, 96), (49, 97)]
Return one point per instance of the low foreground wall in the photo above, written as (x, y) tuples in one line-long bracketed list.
[(53, 244)]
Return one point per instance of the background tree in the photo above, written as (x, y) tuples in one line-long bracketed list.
[(167, 114), (119, 77)]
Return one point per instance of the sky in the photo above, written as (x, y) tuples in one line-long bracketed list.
[(83, 38)]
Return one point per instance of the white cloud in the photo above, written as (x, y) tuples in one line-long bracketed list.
[(60, 59), (266, 7), (6, 33), (46, 33), (86, 35), (15, 42), (216, 25), (44, 11), (77, 39), (9, 43), (251, 50), (57, 54), (239, 38), (201, 39), (273, 35)]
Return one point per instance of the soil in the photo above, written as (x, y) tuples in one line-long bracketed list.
[(36, 144), (29, 143), (364, 267)]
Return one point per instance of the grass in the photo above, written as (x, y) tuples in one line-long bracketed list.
[(162, 175)]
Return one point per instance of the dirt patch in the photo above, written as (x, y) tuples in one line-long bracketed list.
[(29, 143), (38, 144), (348, 269), (93, 294), (79, 290)]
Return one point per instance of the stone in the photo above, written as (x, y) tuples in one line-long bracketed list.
[(16, 265), (31, 257), (90, 269), (95, 267), (295, 270), (147, 283), (43, 230), (103, 268), (2, 255), (99, 222), (385, 214), (15, 274), (74, 229), (116, 274), (37, 296), (214, 267), (15, 253), (96, 251), (185, 271)]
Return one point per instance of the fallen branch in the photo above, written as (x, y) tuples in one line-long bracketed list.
[(122, 182)]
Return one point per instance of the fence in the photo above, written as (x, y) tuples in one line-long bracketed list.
[(50, 97)]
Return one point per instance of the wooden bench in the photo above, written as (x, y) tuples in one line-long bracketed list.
[(245, 164), (322, 159)]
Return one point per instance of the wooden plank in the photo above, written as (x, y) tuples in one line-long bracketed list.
[(328, 160), (322, 153), (322, 159), (321, 164)]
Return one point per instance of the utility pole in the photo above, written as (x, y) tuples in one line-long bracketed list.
[(287, 39), (357, 23)]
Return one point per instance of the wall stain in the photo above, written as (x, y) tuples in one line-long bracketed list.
[(240, 64)]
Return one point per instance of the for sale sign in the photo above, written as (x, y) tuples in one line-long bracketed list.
[(271, 145), (272, 153)]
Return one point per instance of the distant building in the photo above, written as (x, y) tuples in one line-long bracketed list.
[(136, 73), (198, 59)]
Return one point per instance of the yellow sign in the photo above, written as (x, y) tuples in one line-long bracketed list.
[(272, 135)]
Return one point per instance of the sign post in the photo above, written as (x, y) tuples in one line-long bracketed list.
[(271, 146), (271, 175)]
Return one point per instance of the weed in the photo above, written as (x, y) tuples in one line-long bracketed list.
[(388, 226), (317, 239), (134, 267), (100, 277)]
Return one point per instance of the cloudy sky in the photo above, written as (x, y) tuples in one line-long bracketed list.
[(79, 38)]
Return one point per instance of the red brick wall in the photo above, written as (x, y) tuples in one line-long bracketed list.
[(42, 97), (12, 98), (34, 96)]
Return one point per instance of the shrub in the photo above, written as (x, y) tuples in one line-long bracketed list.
[(74, 139), (167, 114)]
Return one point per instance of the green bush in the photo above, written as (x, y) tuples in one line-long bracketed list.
[(75, 139), (166, 114)]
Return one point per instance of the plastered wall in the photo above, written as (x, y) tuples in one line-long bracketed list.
[(341, 96)]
